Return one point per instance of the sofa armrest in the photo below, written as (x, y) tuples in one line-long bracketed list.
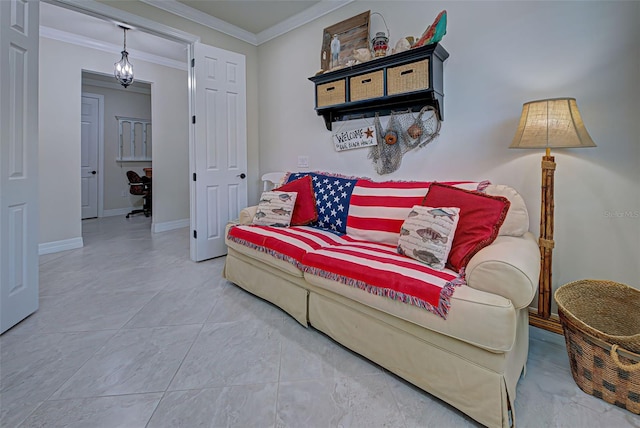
[(247, 214), (509, 267)]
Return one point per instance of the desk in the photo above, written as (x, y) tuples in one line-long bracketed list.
[(148, 172)]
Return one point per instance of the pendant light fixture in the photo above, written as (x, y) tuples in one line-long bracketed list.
[(123, 69)]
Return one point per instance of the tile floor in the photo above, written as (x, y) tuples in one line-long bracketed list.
[(130, 333)]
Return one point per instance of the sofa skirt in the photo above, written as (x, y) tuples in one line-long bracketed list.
[(285, 291)]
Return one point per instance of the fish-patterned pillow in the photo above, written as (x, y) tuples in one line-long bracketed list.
[(275, 209), (427, 234)]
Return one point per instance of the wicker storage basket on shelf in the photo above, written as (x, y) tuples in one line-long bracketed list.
[(601, 324)]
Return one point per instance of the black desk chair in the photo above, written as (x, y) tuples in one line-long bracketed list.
[(140, 186)]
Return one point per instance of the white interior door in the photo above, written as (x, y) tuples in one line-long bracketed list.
[(19, 216), (219, 147), (89, 155)]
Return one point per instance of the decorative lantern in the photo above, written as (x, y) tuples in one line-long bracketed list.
[(380, 44), (123, 70)]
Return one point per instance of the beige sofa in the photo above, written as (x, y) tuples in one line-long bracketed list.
[(472, 360)]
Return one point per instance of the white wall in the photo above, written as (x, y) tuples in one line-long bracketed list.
[(59, 149), (127, 104), (60, 220), (502, 55), (222, 41)]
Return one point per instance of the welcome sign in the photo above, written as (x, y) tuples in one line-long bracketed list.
[(355, 138)]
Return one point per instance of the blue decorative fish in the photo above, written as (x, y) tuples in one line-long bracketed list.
[(439, 212)]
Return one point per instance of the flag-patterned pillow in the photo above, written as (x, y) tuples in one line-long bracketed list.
[(378, 209), (332, 195)]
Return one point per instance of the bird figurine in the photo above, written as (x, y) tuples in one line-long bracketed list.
[(435, 32)]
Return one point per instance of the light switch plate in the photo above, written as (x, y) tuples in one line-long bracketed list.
[(303, 161)]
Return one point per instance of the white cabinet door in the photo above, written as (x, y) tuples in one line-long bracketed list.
[(219, 149), (19, 217)]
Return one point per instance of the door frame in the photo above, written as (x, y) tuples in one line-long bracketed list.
[(100, 98), (99, 10)]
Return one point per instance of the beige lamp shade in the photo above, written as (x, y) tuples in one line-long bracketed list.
[(551, 123)]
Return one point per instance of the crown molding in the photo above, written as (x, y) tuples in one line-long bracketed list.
[(99, 10), (75, 39), (202, 18), (316, 11)]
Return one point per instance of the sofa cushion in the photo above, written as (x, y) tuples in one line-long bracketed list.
[(378, 209), (249, 241), (304, 210), (332, 194), (379, 269), (481, 216), (427, 237), (285, 244), (517, 221), (275, 209), (476, 317)]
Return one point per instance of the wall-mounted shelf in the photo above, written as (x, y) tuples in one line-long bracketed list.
[(407, 80)]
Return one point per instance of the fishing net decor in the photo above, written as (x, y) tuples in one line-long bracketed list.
[(404, 132)]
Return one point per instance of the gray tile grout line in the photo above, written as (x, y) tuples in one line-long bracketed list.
[(186, 354)]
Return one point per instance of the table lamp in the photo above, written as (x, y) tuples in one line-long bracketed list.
[(546, 124)]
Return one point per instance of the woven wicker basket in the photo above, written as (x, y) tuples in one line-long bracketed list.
[(601, 324)]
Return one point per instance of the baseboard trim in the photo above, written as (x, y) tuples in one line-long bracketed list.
[(117, 211), (170, 225), (551, 324), (57, 246)]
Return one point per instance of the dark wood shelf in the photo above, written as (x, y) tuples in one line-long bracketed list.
[(432, 94)]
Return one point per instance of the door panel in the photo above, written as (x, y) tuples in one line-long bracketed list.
[(19, 218), (89, 155), (219, 150)]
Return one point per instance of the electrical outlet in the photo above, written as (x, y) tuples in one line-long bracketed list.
[(303, 161)]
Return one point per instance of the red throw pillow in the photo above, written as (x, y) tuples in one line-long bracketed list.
[(481, 216), (304, 211)]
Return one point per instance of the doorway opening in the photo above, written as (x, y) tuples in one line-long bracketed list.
[(116, 138)]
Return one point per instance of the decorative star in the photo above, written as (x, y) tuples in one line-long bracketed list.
[(369, 133)]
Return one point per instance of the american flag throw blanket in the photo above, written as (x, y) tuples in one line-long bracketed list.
[(355, 240)]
